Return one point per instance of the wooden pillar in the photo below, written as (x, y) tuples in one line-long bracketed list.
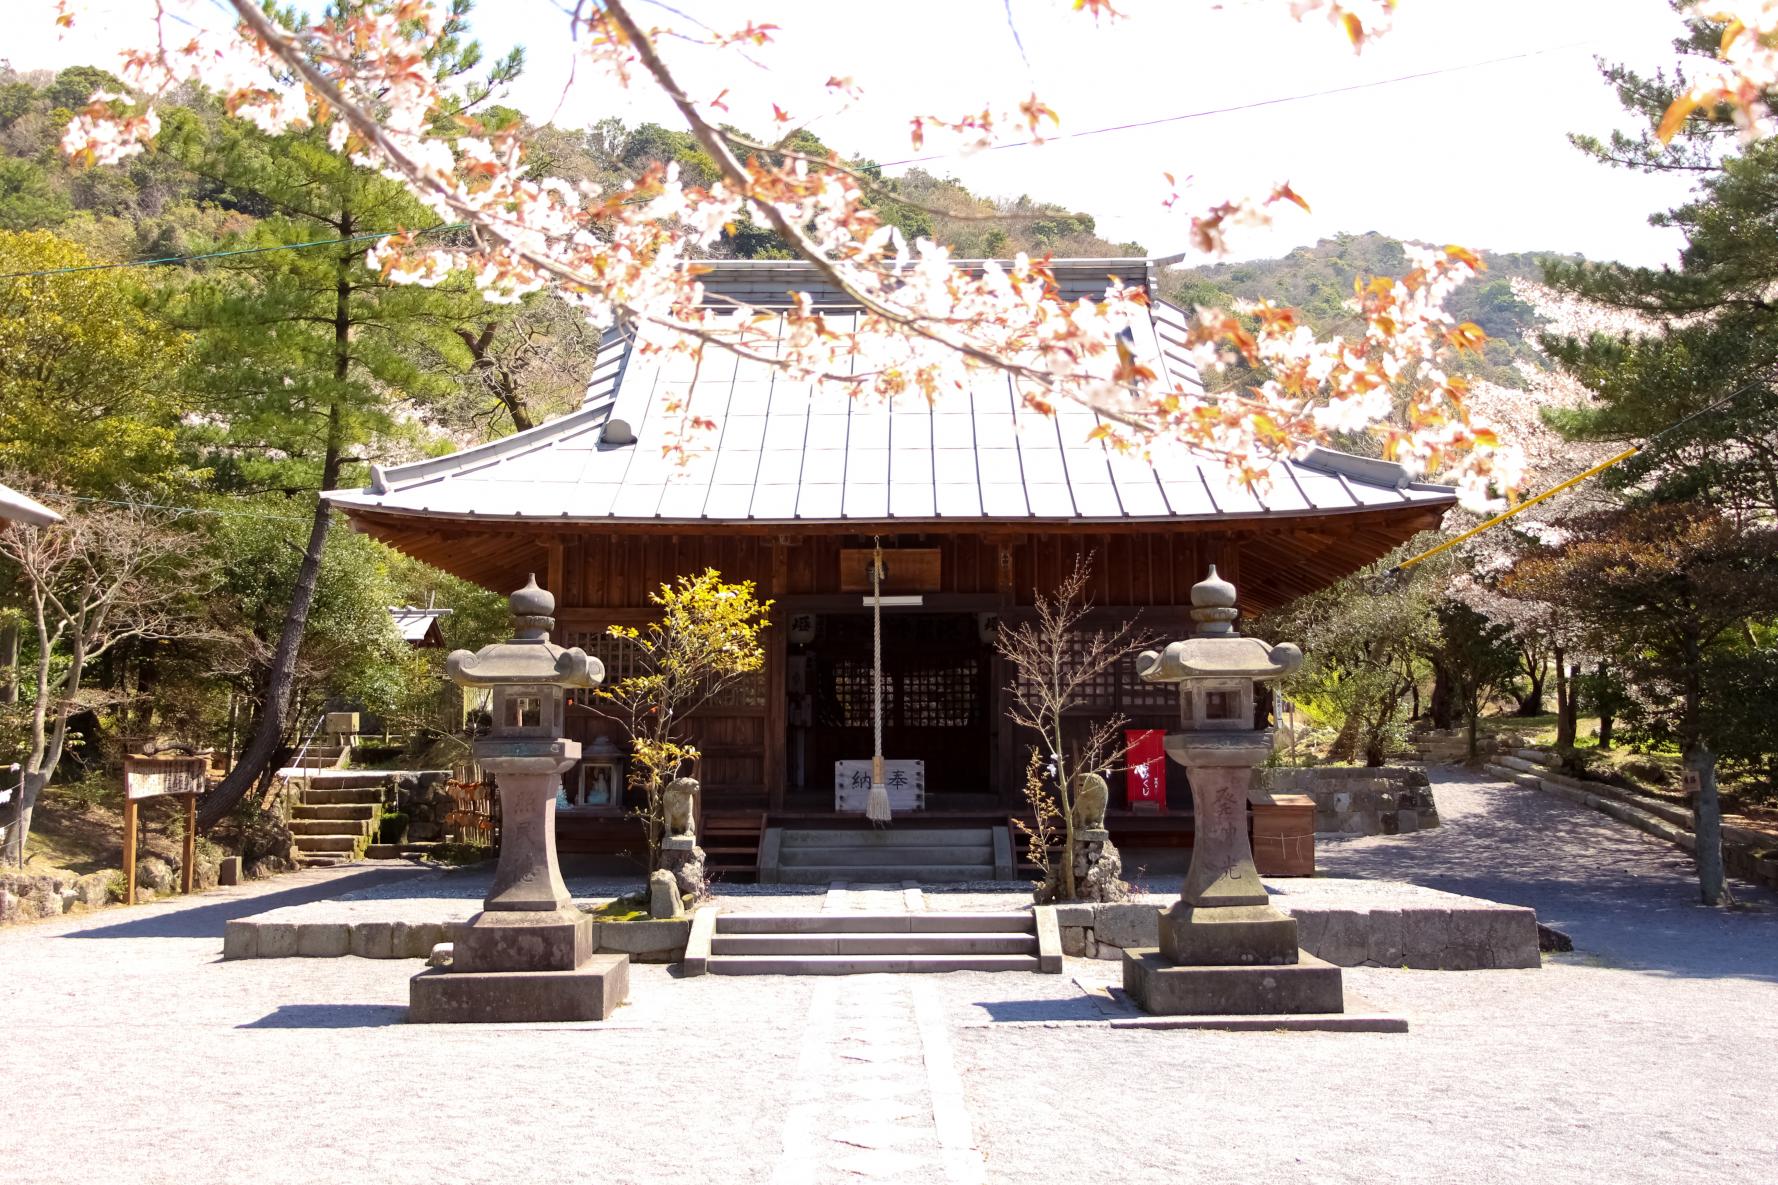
[(777, 708), (554, 576), (190, 855), (129, 851)]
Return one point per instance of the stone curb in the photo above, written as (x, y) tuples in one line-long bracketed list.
[(1483, 936), (1640, 819), (697, 946), (653, 941)]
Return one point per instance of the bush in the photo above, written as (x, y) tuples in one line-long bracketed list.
[(1648, 772)]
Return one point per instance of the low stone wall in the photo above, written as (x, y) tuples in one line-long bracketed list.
[(26, 896), (1355, 800), (1450, 746), (653, 941), (1441, 932)]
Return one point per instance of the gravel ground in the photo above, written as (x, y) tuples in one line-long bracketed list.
[(136, 1055)]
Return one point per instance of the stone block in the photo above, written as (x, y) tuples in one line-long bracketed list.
[(663, 896), (1074, 915), (1126, 925), (1338, 936), (1227, 936), (522, 940), (323, 940), (696, 960), (1049, 941), (593, 991), (277, 940), (660, 940), (1105, 950), (373, 940), (414, 940), (240, 940), (229, 872), (1424, 935), (1161, 988), (1407, 821), (1075, 939), (1386, 937)]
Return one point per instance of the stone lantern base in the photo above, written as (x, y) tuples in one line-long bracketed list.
[(509, 966), (1167, 989)]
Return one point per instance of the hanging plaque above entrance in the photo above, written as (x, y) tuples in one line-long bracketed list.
[(905, 570)]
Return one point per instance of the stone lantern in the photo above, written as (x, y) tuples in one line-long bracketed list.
[(529, 954), (1224, 947)]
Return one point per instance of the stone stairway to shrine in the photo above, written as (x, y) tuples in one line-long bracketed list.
[(333, 819), (925, 855), (855, 943)]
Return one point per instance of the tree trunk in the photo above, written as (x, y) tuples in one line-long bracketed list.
[(1531, 703), (1607, 718), (268, 730), (1443, 710), (1706, 809), (1472, 718), (1707, 826), (1567, 704), (9, 664), (1345, 743)]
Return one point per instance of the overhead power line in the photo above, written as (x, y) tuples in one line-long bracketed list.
[(167, 260), (1257, 103)]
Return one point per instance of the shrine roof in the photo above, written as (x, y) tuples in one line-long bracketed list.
[(787, 452), (17, 508)]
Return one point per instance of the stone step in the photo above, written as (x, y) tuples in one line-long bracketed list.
[(341, 795), (304, 827), (868, 856), (886, 836), (328, 843), (323, 859), (934, 874), (841, 922), (337, 779), (335, 810), (865, 964), (1004, 943)]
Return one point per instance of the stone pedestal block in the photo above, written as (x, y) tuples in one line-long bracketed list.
[(524, 941), (446, 995), (1305, 986), (1228, 936)]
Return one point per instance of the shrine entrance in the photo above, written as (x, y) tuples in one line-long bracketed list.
[(938, 695)]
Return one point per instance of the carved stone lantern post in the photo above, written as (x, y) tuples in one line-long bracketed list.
[(529, 954), (1224, 947)]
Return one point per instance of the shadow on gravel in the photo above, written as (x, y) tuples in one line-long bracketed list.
[(1075, 1008), (331, 1016), (205, 921), (1625, 898)]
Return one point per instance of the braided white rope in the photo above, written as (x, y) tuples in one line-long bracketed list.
[(876, 804)]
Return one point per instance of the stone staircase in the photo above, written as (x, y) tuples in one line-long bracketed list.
[(845, 943), (334, 818), (928, 855)]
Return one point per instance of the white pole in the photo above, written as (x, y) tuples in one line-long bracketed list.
[(876, 805)]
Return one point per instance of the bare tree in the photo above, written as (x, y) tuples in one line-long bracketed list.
[(1055, 657), (105, 576)]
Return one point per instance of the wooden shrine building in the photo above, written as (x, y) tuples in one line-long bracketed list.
[(979, 504)]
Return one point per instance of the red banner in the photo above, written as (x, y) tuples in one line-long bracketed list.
[(1145, 779)]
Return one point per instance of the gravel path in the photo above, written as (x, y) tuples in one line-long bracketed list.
[(135, 1055)]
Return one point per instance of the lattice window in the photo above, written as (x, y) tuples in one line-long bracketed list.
[(942, 697), (621, 659), (749, 691), (1098, 694), (847, 702), (1135, 696)]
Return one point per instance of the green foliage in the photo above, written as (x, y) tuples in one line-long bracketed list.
[(86, 393)]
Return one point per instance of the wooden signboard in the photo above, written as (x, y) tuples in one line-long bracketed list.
[(905, 781), (157, 776), (905, 569)]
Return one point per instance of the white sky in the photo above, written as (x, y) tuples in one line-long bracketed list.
[(1477, 156)]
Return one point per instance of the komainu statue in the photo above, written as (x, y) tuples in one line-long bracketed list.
[(1090, 797), (677, 804)]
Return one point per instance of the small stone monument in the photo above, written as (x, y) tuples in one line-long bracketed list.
[(1098, 869), (1225, 949), (680, 853), (528, 956)]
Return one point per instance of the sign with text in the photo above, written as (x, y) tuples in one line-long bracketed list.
[(154, 777), (905, 781)]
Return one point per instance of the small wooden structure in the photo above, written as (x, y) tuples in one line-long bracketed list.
[(981, 505), (157, 775)]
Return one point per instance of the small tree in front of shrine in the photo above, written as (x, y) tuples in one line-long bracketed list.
[(1056, 658), (704, 641)]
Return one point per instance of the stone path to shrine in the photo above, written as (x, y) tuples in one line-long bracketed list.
[(135, 1055)]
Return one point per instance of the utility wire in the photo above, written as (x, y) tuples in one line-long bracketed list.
[(1577, 478), (171, 259), (1258, 103)]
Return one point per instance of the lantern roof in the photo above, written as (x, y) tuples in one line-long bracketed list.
[(1215, 650), (529, 657)]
